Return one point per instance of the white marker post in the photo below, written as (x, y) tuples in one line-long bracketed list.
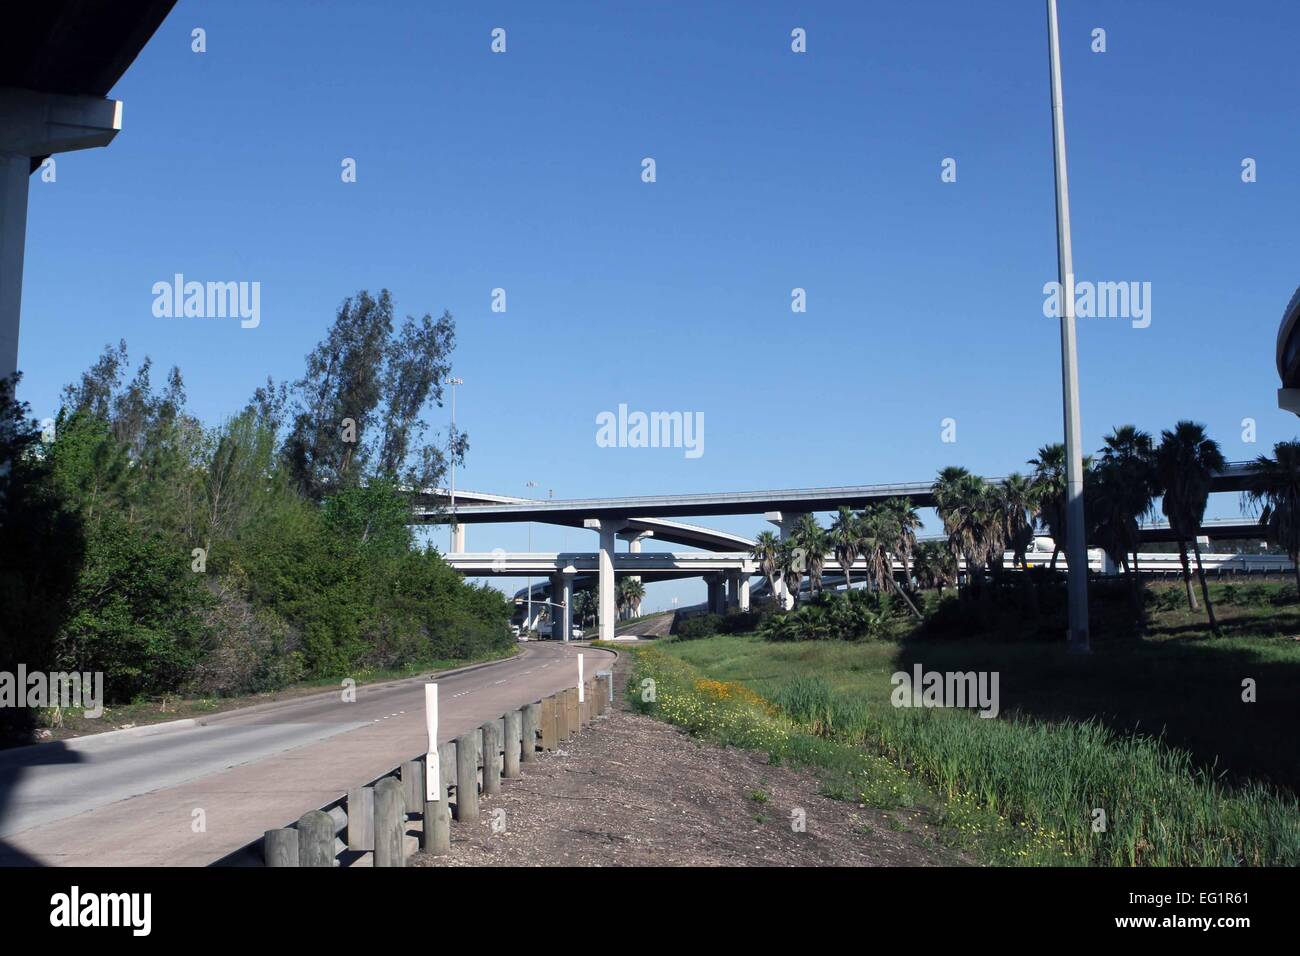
[(432, 765), (582, 696)]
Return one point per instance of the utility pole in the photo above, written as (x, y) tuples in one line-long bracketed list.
[(1076, 551)]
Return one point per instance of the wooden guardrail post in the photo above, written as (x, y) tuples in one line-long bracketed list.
[(562, 728), (435, 838), (528, 732), (413, 785), (491, 751), (315, 839), (390, 819), (280, 847), (548, 720), (510, 750), (361, 819), (467, 777)]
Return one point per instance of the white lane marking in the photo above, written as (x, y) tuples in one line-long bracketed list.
[(498, 682)]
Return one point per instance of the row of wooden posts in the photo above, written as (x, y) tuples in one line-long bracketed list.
[(374, 819)]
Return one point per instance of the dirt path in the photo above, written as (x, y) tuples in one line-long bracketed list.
[(634, 791)]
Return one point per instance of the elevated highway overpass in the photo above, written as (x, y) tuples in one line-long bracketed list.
[(635, 518)]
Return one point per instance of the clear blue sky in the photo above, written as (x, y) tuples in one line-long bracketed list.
[(775, 170)]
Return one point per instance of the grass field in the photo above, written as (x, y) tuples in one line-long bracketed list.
[(1151, 729)]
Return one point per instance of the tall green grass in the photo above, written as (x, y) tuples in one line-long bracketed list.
[(1160, 809)]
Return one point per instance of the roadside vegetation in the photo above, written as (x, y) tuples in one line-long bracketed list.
[(184, 559), (1026, 787)]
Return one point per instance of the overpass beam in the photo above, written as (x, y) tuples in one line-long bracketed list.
[(607, 528)]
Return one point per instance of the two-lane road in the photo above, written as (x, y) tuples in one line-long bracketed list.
[(190, 796)]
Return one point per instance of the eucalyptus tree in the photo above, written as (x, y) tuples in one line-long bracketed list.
[(1186, 460), (845, 540), (1274, 486)]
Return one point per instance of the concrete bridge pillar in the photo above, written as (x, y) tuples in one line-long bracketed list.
[(738, 591), (633, 539), (785, 522), (607, 528), (717, 603), (457, 538), (36, 124), (562, 594)]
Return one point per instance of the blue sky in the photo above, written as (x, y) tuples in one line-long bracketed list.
[(775, 170)]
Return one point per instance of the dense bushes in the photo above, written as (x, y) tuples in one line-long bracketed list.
[(705, 625), (841, 615), (178, 558)]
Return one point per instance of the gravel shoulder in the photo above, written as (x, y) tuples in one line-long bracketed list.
[(633, 791)]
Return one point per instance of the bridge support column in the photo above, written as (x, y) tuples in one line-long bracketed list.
[(738, 591), (717, 603), (457, 538), (36, 124), (607, 529), (785, 521), (562, 594), (633, 539)]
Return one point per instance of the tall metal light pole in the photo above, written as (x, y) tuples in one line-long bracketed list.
[(530, 484), (453, 383), (1076, 553)]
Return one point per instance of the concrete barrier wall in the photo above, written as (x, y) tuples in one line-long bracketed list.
[(386, 820)]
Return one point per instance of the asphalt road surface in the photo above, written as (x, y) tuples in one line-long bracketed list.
[(189, 796)]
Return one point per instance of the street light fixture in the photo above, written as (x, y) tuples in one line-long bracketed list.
[(1076, 549)]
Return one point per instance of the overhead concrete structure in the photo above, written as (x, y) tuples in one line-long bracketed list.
[(632, 511), (58, 60), (1288, 356)]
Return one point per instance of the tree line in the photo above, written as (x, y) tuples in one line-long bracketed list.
[(984, 519), (275, 546)]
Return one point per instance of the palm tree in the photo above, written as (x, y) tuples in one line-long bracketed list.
[(906, 522), (844, 539), (880, 537), (1017, 501), (766, 551), (1049, 484), (1274, 483), (934, 566), (1125, 488), (811, 538), (790, 564), (1185, 461), (967, 510), (628, 595)]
